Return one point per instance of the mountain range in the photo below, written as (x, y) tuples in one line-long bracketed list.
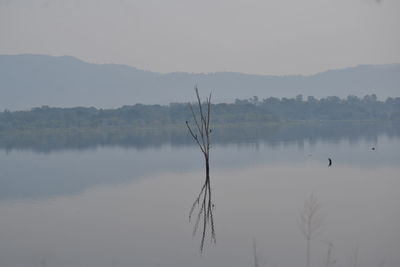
[(28, 81)]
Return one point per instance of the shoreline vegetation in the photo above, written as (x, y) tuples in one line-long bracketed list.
[(47, 128)]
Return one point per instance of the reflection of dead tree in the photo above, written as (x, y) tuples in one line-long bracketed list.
[(310, 222), (201, 134)]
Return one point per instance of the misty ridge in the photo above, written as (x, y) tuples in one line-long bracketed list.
[(28, 81)]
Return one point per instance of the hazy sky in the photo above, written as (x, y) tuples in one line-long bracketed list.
[(252, 36)]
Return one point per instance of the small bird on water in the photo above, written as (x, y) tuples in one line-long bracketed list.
[(330, 162)]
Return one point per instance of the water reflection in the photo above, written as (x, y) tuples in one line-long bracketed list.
[(117, 206), (145, 223), (28, 175), (272, 135)]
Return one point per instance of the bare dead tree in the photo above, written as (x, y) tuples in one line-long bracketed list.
[(203, 203), (310, 222)]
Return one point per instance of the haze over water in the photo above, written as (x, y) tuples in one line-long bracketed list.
[(123, 206), (93, 187)]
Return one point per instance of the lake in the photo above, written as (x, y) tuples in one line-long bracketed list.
[(126, 203)]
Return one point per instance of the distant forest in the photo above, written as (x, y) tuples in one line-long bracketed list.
[(242, 111)]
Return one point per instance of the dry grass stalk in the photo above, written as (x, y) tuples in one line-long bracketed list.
[(310, 222)]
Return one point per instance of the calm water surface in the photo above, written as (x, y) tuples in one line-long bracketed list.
[(116, 206)]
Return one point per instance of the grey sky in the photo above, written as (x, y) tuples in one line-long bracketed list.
[(252, 36)]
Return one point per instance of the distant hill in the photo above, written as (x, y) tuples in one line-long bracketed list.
[(34, 80)]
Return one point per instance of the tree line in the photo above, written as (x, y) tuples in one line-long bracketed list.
[(253, 110)]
